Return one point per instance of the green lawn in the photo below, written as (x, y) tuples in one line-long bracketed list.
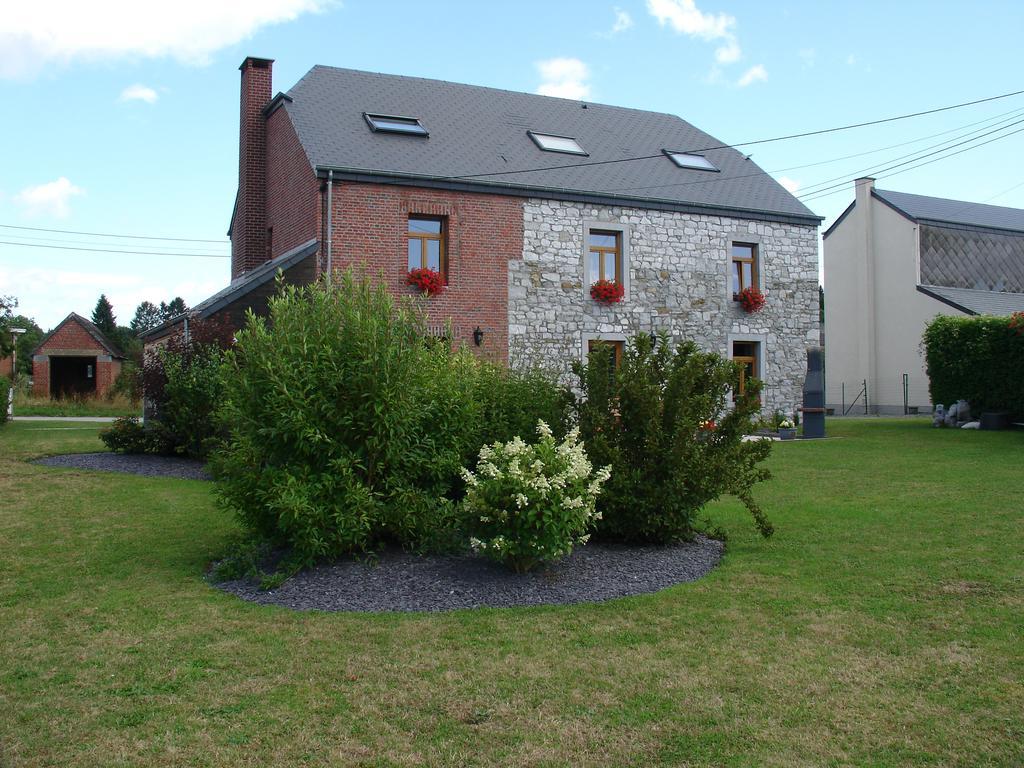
[(881, 626)]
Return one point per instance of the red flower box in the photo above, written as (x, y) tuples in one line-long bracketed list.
[(607, 291), (751, 299), (427, 280)]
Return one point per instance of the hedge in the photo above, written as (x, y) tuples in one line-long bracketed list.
[(978, 359)]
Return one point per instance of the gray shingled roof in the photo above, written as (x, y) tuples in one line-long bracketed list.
[(925, 208), (475, 130), (977, 302)]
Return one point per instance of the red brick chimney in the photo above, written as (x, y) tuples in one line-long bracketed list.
[(249, 227)]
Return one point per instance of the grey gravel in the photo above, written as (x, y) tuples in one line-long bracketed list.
[(399, 581), (135, 464)]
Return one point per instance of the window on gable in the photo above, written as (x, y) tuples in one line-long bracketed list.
[(690, 160), (551, 143), (745, 353), (426, 244), (744, 267), (604, 255), (392, 124)]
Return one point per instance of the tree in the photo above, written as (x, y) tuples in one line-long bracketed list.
[(147, 315), (7, 305), (27, 341), (177, 306), (103, 316)]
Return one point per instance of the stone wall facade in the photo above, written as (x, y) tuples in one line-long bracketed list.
[(677, 275)]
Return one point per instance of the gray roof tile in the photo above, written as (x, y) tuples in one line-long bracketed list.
[(954, 211), (475, 130), (977, 302)]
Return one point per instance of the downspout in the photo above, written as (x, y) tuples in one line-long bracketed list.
[(330, 205)]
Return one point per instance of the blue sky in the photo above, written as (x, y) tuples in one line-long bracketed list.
[(126, 121)]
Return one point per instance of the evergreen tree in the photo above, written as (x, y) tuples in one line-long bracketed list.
[(147, 315), (103, 316), (176, 307)]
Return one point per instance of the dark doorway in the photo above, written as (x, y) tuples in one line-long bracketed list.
[(71, 376)]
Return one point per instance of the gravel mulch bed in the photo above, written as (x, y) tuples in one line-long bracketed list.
[(145, 465), (399, 581)]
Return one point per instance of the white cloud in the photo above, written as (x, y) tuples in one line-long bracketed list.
[(50, 199), (34, 34), (139, 92), (728, 53), (684, 17), (563, 77), (687, 19), (623, 21), (754, 74), (789, 184)]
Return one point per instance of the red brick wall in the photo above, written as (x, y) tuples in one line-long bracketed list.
[(248, 230), (485, 232), (6, 364), (41, 378), (293, 200), (72, 337)]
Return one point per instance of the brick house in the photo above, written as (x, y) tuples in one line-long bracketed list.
[(75, 359), (521, 202)]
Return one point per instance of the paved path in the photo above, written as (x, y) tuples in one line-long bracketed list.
[(100, 419)]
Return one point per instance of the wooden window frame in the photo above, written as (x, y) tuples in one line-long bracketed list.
[(737, 269), (618, 346), (424, 237), (744, 360), (602, 250)]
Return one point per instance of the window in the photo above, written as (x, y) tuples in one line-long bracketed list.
[(616, 358), (551, 143), (744, 267), (604, 255), (410, 126), (690, 160), (427, 244), (745, 353)]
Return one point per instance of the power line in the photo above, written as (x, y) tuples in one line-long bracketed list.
[(107, 250), (914, 156), (59, 241), (109, 234), (720, 179), (823, 193), (743, 143)]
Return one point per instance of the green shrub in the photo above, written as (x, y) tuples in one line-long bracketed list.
[(345, 427), (128, 435), (511, 402), (183, 385), (662, 423), (978, 359), (528, 504)]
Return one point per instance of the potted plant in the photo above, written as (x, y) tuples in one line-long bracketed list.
[(787, 429), (607, 291), (427, 280), (751, 299)]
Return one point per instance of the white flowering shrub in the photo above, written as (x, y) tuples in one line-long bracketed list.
[(527, 504)]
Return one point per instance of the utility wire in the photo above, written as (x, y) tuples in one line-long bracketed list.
[(744, 143), (109, 234), (719, 179), (100, 244), (922, 157), (919, 154), (106, 250), (824, 193)]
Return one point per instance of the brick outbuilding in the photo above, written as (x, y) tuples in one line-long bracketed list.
[(75, 359)]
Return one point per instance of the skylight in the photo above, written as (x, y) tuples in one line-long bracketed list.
[(392, 124), (551, 143), (690, 160)]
